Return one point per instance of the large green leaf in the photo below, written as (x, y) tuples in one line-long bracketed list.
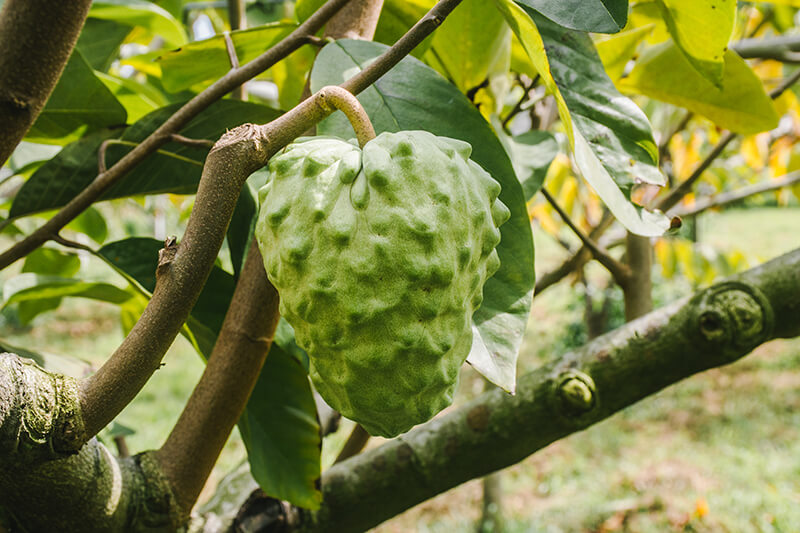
[(281, 432), (50, 262), (207, 60), (531, 154), (601, 16), (469, 42), (610, 136), (740, 104), (616, 51), (702, 31), (279, 425), (413, 96), (100, 40), (175, 168), (397, 17), (29, 286), (143, 14), (137, 98), (78, 99)]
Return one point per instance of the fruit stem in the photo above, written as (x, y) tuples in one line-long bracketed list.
[(334, 97)]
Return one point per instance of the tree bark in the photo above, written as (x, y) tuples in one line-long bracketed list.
[(36, 40), (715, 327)]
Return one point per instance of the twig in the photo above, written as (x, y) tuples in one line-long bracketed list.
[(231, 49), (194, 143), (518, 106), (620, 271), (355, 443), (174, 124), (189, 453), (722, 199), (73, 244)]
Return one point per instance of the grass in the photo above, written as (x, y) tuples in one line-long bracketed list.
[(718, 452)]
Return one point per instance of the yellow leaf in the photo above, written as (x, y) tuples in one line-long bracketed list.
[(754, 150), (700, 507), (665, 256), (617, 50)]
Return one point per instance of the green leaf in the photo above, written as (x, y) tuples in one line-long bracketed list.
[(741, 104), (702, 31), (610, 137), (469, 41), (413, 96), (616, 51), (531, 154), (397, 17), (281, 432), (91, 223), (137, 99), (143, 14), (52, 262), (62, 364), (100, 40), (601, 16), (175, 168), (78, 99), (207, 60), (30, 286)]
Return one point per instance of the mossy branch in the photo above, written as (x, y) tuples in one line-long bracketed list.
[(715, 327)]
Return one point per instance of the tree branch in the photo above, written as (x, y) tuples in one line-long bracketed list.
[(355, 443), (715, 327), (178, 120), (719, 200), (356, 21), (621, 272), (36, 39), (575, 261), (784, 48), (189, 453), (235, 156)]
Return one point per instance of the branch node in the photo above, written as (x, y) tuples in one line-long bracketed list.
[(575, 395), (167, 254)]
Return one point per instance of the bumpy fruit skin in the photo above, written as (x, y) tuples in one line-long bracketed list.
[(380, 257)]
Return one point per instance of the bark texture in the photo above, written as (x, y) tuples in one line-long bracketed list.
[(36, 40), (715, 327)]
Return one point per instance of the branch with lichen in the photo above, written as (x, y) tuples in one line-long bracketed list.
[(715, 327)]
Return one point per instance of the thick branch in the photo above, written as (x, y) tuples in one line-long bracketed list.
[(158, 138), (36, 40), (715, 327), (722, 199), (86, 491), (219, 399), (356, 21)]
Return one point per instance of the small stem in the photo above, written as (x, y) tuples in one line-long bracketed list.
[(334, 97), (194, 143), (620, 271), (355, 443)]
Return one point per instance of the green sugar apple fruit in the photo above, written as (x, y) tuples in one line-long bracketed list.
[(380, 256)]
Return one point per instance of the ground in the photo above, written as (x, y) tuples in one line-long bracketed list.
[(717, 452)]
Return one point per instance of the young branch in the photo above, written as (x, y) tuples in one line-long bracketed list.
[(715, 327), (36, 39), (620, 271), (785, 48), (189, 453), (719, 200), (178, 120), (676, 195)]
